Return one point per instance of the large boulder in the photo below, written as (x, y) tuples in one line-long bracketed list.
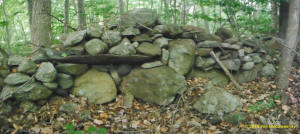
[(46, 72), (97, 87), (131, 31), (111, 38), (72, 69), (95, 47), (16, 79), (217, 77), (149, 49), (75, 38), (182, 55), (139, 18), (124, 48), (216, 101), (224, 33), (160, 84)]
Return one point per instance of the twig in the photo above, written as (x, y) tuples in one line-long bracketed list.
[(235, 83), (61, 21), (145, 27)]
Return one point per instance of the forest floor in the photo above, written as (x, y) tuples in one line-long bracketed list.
[(260, 99)]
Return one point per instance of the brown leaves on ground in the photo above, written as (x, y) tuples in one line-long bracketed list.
[(178, 117)]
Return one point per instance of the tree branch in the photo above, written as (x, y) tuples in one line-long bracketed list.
[(61, 21)]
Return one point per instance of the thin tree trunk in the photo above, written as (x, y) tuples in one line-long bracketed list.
[(184, 12), (205, 21), (194, 11), (41, 23), (274, 14), (121, 6), (6, 28), (166, 6), (66, 16), (81, 14), (175, 20), (287, 53), (127, 5)]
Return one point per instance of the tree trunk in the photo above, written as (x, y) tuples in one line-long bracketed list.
[(127, 5), (66, 16), (288, 52), (6, 28), (121, 6), (29, 9), (205, 21), (81, 15), (175, 20), (274, 15), (184, 12), (166, 10), (283, 18), (41, 23)]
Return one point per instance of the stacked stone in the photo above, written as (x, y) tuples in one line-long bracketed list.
[(184, 53)]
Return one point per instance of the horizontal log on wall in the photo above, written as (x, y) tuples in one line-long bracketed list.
[(106, 59)]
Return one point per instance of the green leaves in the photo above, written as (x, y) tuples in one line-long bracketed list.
[(70, 129), (3, 23)]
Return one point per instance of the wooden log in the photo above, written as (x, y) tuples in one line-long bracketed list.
[(235, 83), (105, 59)]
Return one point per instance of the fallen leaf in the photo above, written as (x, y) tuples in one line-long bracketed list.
[(285, 108)]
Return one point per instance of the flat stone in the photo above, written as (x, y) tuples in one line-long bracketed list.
[(15, 60), (28, 67), (149, 49), (72, 69), (152, 64), (203, 51), (16, 79)]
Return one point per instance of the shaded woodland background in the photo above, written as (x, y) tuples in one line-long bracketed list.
[(245, 17)]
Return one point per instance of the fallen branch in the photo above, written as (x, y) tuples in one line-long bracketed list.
[(235, 83)]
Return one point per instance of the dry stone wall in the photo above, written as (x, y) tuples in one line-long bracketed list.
[(138, 56)]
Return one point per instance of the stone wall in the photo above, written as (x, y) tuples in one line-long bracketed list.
[(139, 57)]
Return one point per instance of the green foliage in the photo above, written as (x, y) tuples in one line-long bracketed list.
[(70, 129), (264, 104), (250, 17)]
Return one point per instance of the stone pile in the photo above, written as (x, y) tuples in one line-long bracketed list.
[(177, 53)]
